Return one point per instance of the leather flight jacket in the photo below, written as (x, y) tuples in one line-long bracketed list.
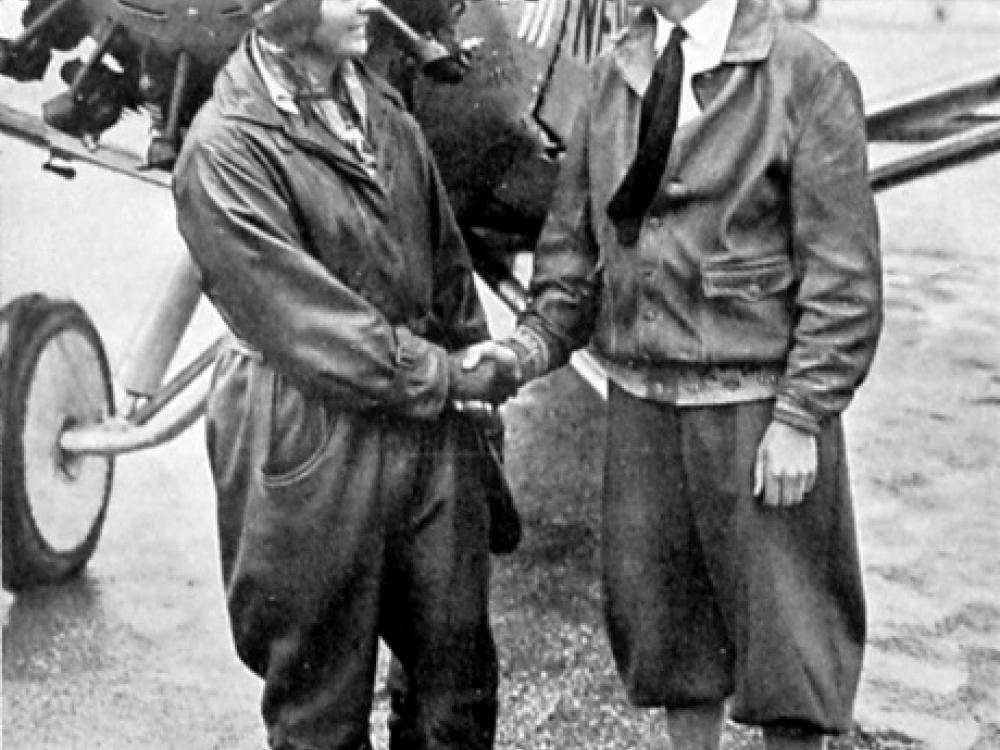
[(761, 247)]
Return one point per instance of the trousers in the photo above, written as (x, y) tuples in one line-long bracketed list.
[(338, 527)]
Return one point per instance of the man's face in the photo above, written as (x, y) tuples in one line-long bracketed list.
[(675, 10), (343, 28)]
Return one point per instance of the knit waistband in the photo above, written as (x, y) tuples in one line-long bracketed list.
[(696, 384)]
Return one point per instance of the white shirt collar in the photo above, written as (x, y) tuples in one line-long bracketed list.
[(707, 33)]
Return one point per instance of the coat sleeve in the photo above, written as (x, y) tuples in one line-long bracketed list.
[(456, 301), (836, 249), (242, 234), (565, 283)]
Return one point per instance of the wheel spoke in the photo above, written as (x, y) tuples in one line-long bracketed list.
[(67, 492), (78, 364)]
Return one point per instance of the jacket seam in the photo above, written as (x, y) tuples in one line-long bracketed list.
[(814, 94)]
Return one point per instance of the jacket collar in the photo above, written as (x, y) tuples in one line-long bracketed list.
[(750, 40)]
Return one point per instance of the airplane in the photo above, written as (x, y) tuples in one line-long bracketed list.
[(495, 97), (494, 84)]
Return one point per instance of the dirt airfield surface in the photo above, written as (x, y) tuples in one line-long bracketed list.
[(136, 653)]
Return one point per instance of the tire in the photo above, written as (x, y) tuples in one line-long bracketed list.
[(53, 374)]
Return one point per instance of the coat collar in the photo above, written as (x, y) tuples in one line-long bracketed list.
[(750, 40), (242, 94)]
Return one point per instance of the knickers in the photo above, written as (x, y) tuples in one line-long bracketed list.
[(708, 592)]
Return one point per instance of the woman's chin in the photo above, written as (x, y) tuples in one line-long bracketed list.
[(352, 48)]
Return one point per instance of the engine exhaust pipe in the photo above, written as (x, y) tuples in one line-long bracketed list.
[(425, 49), (434, 58)]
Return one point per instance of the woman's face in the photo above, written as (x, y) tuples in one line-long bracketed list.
[(342, 31)]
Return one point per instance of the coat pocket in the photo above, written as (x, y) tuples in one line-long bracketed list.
[(505, 521), (300, 430), (749, 280)]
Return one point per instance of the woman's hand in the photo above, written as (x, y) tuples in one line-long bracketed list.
[(487, 371)]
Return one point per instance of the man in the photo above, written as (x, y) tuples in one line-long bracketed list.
[(349, 504), (715, 237)]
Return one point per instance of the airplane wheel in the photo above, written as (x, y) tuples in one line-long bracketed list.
[(53, 374)]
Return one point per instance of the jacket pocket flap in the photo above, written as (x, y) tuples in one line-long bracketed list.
[(749, 280)]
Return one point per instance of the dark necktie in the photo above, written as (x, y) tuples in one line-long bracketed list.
[(657, 123)]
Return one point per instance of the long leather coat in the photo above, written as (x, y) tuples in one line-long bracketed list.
[(347, 283), (761, 247)]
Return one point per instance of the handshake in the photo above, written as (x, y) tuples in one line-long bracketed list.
[(487, 372)]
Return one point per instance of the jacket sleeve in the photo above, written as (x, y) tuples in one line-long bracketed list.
[(565, 283), (836, 250), (242, 234)]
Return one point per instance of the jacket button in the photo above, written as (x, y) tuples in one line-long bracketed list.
[(650, 315), (755, 289), (655, 222)]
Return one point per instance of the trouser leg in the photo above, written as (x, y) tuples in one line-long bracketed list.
[(435, 614), (783, 738), (304, 602), (667, 634), (696, 727), (303, 562), (404, 724), (788, 579)]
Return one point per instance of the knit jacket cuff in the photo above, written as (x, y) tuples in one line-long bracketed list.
[(533, 355), (792, 412)]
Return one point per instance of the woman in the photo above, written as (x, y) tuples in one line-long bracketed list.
[(347, 509)]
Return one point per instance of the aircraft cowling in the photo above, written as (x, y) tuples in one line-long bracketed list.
[(496, 159), (207, 29), (497, 134)]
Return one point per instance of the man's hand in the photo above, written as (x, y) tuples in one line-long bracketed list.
[(786, 465), (487, 371)]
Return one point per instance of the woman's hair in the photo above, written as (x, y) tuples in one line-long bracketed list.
[(287, 23)]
